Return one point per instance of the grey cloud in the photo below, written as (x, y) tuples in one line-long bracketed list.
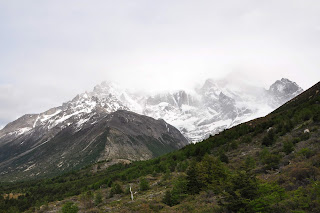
[(52, 50)]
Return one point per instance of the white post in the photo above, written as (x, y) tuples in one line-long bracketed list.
[(131, 193)]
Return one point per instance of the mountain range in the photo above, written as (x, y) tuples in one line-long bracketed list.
[(269, 164), (205, 111), (115, 123)]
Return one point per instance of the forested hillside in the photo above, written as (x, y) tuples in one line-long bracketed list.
[(270, 164)]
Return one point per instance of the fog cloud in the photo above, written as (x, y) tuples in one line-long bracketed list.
[(52, 50)]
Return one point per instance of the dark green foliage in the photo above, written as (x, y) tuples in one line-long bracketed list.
[(270, 160), (250, 163), (234, 145), (316, 116), (116, 189), (288, 147), (144, 184), (182, 166), (242, 188), (305, 114), (224, 158), (269, 196), (305, 136), (269, 139), (193, 185), (69, 207), (177, 194), (306, 152), (246, 139), (98, 198), (167, 199)]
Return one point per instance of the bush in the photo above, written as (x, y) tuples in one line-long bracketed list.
[(316, 117), (116, 189), (306, 152), (269, 139), (288, 147), (193, 185), (98, 198), (167, 199), (69, 207), (246, 139), (305, 136), (270, 160), (250, 163), (268, 199), (224, 158), (177, 194), (242, 188), (144, 184)]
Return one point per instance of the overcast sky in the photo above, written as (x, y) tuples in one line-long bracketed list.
[(52, 50)]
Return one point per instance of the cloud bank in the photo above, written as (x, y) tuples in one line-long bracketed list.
[(52, 50)]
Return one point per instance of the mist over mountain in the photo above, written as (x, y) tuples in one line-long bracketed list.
[(214, 106)]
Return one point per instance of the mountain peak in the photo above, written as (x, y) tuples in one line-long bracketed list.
[(285, 86)]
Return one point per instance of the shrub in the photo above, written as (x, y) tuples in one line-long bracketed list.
[(305, 136), (98, 198), (69, 207), (250, 163), (316, 117), (193, 185), (144, 184), (242, 188), (270, 160), (288, 147), (224, 158), (246, 139), (115, 189), (306, 152), (177, 194), (167, 199), (269, 139), (86, 199), (268, 199)]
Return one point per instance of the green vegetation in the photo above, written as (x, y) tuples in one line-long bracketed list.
[(269, 164), (69, 207), (144, 184)]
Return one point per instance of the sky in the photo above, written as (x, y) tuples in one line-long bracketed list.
[(52, 50)]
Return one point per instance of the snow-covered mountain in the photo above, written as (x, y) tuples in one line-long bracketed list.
[(206, 110), (218, 105), (98, 125)]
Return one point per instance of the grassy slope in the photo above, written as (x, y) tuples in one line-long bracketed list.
[(269, 165)]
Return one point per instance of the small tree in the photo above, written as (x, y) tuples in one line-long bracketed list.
[(167, 199), (288, 147), (224, 158), (98, 198), (250, 163), (193, 185), (269, 139), (115, 189), (144, 184)]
